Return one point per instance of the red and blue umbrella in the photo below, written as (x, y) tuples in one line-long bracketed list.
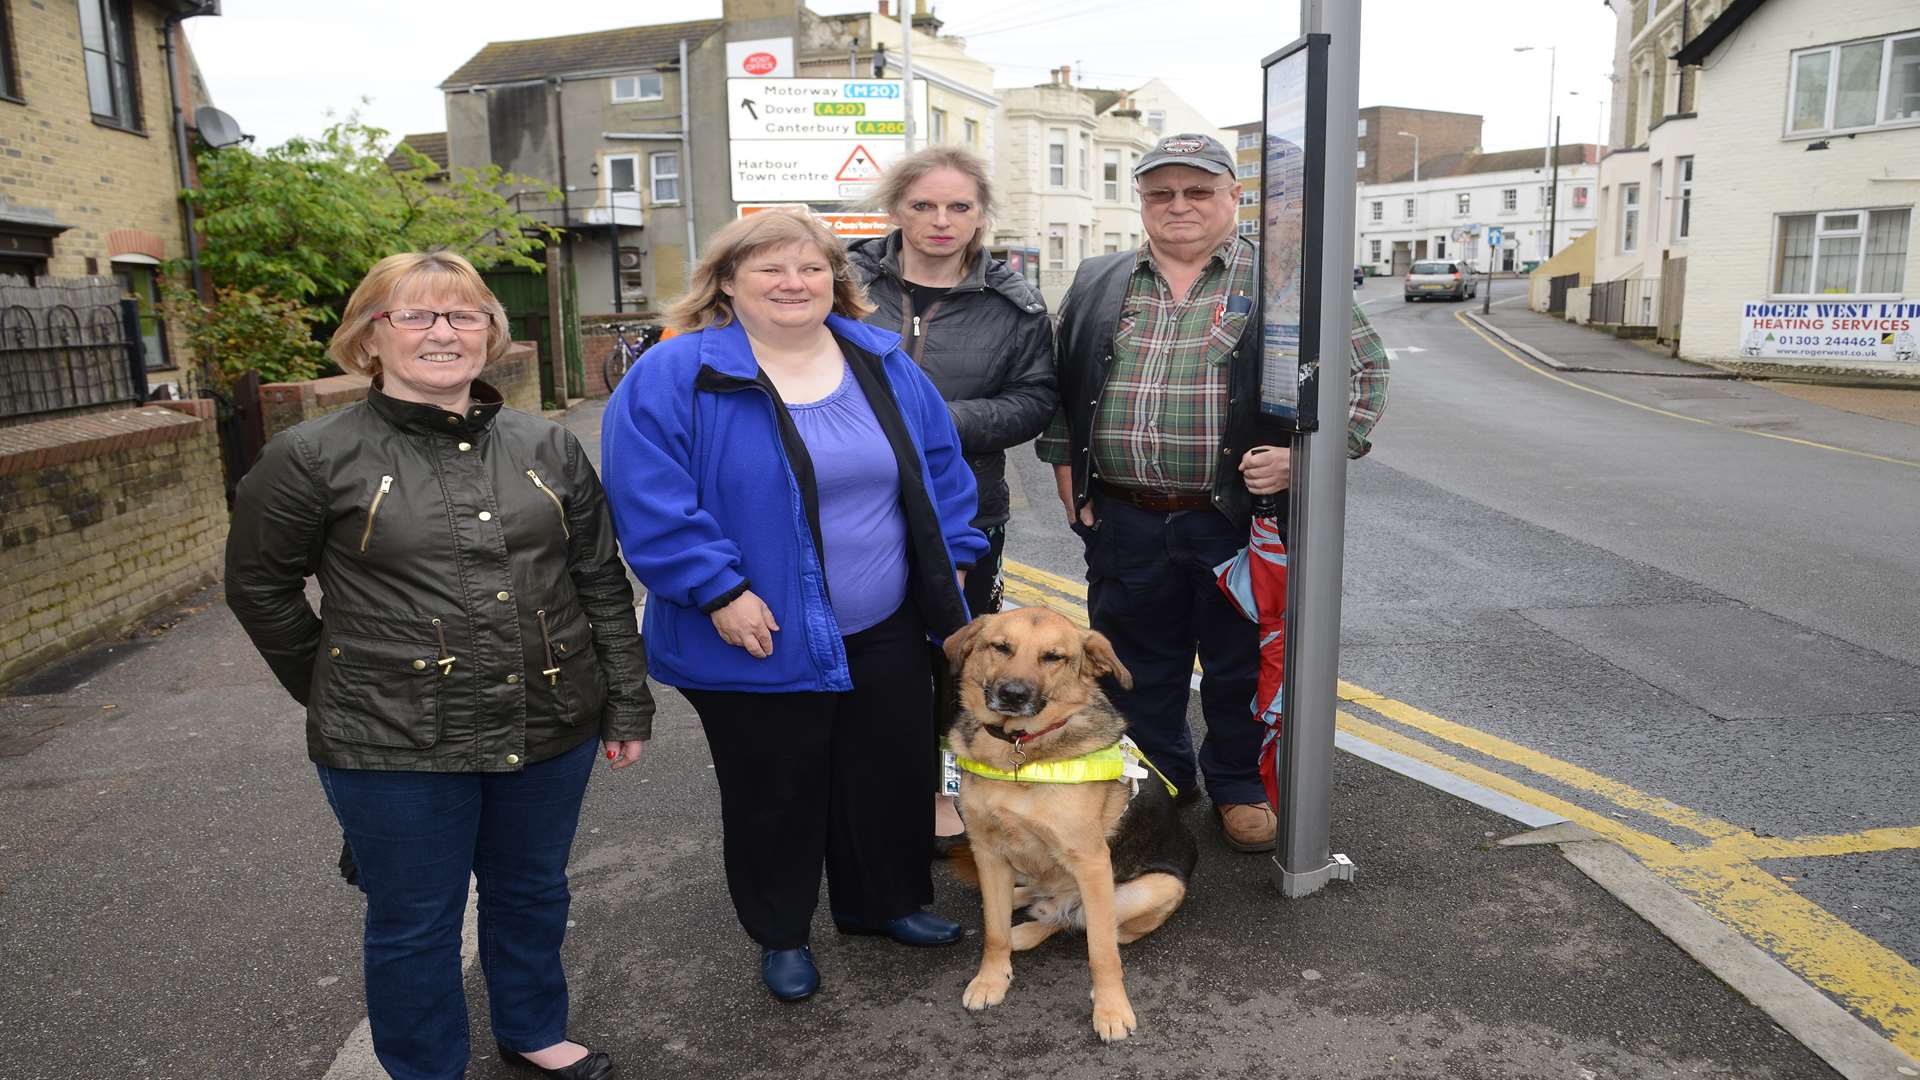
[(1255, 580)]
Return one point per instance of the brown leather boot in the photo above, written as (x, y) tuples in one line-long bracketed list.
[(1247, 826)]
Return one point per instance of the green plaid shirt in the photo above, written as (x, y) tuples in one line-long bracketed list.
[(1165, 401)]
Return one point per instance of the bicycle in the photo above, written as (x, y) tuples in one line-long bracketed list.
[(621, 358)]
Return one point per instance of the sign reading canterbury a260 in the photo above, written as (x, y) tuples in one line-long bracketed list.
[(816, 140)]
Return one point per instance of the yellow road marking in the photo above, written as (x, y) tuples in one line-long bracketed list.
[(1619, 794), (1028, 596), (1076, 589), (1748, 846), (1537, 370), (1722, 875)]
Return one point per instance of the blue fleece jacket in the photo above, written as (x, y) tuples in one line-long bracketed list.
[(705, 500)]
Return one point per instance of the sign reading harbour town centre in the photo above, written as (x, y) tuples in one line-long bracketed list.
[(1791, 330)]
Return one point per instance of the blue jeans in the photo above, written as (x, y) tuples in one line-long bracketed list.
[(417, 836), (1151, 590)]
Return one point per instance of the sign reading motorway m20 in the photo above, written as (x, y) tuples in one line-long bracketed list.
[(816, 140), (836, 109)]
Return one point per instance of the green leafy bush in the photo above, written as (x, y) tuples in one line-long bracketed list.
[(246, 330)]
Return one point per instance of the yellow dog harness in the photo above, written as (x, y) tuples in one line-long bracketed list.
[(1121, 761)]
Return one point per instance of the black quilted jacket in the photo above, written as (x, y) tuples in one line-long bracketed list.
[(987, 346)]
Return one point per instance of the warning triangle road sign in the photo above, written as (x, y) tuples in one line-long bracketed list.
[(860, 166)]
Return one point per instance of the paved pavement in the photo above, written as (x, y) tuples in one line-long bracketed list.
[(1577, 347), (171, 910), (1564, 346)]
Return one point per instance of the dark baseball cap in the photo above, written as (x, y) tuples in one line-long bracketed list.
[(1198, 151)]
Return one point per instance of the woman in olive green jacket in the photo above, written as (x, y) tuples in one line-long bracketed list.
[(476, 635)]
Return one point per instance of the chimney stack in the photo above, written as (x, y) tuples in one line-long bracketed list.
[(1066, 75), (883, 10)]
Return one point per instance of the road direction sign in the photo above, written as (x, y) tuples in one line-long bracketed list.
[(816, 140), (766, 170), (1493, 236), (822, 109)]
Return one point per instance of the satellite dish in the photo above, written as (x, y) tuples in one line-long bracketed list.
[(218, 129)]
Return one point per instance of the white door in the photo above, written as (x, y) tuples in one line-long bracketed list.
[(623, 184)]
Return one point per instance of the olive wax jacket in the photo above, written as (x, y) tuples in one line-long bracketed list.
[(475, 614)]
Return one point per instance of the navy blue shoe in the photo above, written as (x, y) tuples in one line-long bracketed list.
[(918, 928), (790, 973)]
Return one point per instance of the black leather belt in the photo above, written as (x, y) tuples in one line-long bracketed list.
[(1160, 502)]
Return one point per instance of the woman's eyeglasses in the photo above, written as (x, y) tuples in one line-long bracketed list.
[(422, 319), (1159, 196)]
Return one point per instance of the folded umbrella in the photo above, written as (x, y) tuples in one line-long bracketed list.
[(1255, 579)]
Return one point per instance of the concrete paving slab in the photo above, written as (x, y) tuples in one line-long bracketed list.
[(1768, 667)]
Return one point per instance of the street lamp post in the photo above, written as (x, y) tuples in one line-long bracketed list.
[(1416, 152), (1599, 117), (1553, 60), (1416, 181), (1546, 159)]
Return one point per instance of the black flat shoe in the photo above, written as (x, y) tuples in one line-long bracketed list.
[(595, 1066), (789, 973), (921, 928)]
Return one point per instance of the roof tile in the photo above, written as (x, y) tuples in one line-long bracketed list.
[(633, 48)]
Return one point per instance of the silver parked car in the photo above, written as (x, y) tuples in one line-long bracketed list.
[(1441, 278)]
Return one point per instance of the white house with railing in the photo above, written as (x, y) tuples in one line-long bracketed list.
[(1447, 213)]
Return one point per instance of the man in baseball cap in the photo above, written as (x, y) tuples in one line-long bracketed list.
[(1160, 444), (1198, 151)]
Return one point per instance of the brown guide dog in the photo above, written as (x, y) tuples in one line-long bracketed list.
[(1093, 855)]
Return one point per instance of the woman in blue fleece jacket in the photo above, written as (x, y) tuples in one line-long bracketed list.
[(790, 489)]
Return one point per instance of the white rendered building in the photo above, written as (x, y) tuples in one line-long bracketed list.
[(1447, 213), (1803, 242)]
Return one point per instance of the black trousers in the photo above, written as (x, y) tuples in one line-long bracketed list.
[(833, 779)]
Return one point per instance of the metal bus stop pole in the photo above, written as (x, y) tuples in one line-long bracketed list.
[(1317, 505)]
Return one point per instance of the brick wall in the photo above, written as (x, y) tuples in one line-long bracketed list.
[(516, 375), (1390, 154), (96, 178), (104, 519)]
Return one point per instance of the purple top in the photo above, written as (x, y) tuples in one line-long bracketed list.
[(861, 523)]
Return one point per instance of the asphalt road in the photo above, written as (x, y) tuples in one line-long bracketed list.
[(1630, 602)]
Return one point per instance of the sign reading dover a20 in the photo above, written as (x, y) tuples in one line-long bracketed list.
[(816, 140)]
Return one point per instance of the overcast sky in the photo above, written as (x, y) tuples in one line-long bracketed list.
[(279, 67)]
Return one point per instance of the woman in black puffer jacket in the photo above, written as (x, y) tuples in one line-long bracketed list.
[(975, 326)]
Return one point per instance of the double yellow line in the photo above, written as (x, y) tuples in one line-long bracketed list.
[(1720, 870)]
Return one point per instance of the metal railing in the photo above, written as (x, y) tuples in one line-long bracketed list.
[(68, 345), (581, 207), (1626, 302)]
